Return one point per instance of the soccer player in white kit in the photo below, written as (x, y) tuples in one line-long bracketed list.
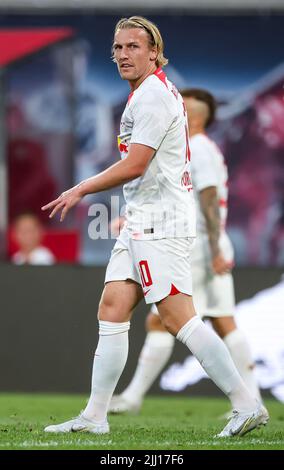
[(211, 262), (152, 256)]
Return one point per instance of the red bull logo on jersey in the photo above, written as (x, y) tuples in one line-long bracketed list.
[(123, 146)]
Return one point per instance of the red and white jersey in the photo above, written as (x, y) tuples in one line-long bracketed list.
[(208, 168), (160, 203)]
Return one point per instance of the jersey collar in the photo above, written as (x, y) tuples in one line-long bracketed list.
[(160, 74)]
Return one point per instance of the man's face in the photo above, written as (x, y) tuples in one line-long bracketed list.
[(28, 233), (133, 53)]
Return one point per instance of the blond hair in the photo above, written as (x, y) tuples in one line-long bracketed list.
[(154, 35)]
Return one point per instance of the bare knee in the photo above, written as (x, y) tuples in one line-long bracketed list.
[(113, 311), (118, 300), (170, 324), (176, 311), (166, 322)]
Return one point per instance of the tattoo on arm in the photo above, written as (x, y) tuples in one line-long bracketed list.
[(210, 208)]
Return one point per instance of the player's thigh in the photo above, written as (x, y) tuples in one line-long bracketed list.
[(163, 267), (121, 264), (118, 300), (122, 290), (223, 325), (165, 273)]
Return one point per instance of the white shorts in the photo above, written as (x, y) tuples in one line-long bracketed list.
[(161, 267), (213, 295)]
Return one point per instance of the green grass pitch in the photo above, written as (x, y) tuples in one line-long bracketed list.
[(175, 423)]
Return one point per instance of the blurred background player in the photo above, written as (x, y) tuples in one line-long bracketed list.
[(212, 260), (28, 234)]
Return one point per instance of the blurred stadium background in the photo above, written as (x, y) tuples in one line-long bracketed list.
[(60, 103)]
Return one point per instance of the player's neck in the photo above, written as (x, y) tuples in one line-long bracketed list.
[(196, 130), (134, 84)]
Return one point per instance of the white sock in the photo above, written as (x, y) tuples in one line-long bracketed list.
[(109, 361), (154, 355), (240, 351), (215, 358)]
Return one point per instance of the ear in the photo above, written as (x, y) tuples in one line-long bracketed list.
[(154, 54)]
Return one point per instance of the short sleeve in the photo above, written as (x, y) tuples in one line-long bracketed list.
[(152, 115), (203, 170)]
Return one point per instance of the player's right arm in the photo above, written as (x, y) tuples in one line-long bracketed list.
[(133, 166), (205, 181), (210, 207), (151, 122)]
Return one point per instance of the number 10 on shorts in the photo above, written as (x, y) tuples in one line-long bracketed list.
[(145, 274)]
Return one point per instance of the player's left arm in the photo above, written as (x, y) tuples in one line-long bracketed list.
[(133, 166), (210, 208)]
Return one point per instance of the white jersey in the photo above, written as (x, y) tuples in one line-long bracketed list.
[(160, 203), (208, 168)]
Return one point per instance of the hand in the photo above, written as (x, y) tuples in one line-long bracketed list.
[(220, 265), (65, 201)]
